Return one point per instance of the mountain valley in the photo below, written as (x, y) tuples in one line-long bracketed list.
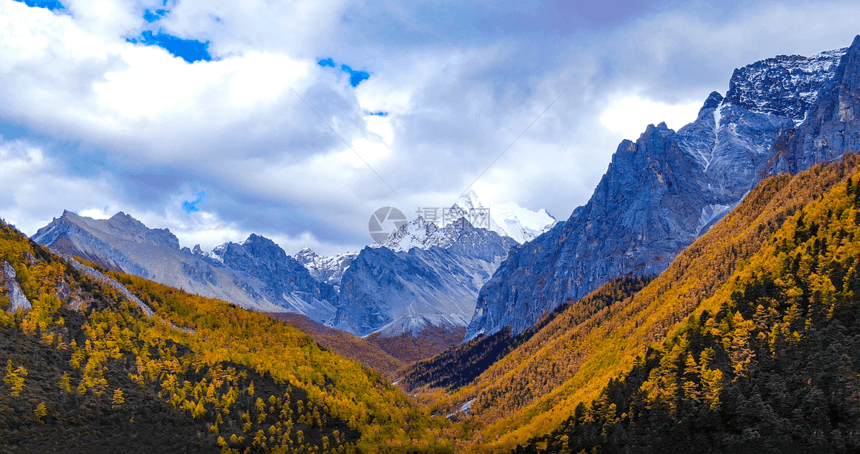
[(705, 298)]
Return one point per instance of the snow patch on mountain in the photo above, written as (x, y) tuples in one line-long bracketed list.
[(326, 269), (510, 219), (507, 220), (785, 85)]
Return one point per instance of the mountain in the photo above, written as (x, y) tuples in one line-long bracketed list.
[(577, 352), (666, 189), (428, 273), (508, 219), (103, 361), (395, 291), (328, 270), (254, 274), (832, 127), (284, 280), (768, 364)]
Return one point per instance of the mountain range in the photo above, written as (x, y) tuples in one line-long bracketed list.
[(425, 275), (255, 273), (706, 298)]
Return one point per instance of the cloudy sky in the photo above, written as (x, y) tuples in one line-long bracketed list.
[(216, 119)]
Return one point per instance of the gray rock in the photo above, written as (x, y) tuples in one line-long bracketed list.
[(328, 270), (833, 125), (17, 299), (786, 85), (284, 279)]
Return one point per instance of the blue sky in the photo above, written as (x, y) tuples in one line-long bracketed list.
[(187, 114)]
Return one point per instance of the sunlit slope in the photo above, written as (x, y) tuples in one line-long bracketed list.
[(87, 365), (459, 366), (769, 363), (537, 386)]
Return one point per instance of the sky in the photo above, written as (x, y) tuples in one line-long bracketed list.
[(296, 120)]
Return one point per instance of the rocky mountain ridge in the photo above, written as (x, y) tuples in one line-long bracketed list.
[(255, 274)]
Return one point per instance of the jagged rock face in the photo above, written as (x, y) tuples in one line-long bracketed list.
[(422, 234), (832, 127), (91, 239), (256, 274), (284, 279), (786, 85), (396, 292), (663, 191), (328, 270)]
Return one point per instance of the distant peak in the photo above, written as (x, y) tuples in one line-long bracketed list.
[(470, 193), (306, 251), (258, 239), (121, 216), (713, 101)]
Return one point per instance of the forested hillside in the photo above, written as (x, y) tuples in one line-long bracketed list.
[(88, 370), (770, 363), (459, 366), (540, 383), (344, 344)]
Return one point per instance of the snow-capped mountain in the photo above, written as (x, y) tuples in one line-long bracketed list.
[(327, 269), (507, 220), (664, 190), (396, 291), (786, 85)]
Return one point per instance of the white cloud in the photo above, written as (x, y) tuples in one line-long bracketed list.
[(630, 115), (454, 102), (34, 188)]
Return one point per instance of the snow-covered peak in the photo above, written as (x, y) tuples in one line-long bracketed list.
[(306, 255), (785, 85), (325, 269), (509, 219), (422, 234)]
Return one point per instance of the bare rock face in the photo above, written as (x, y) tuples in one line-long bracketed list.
[(664, 190), (832, 127), (283, 278), (9, 287)]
